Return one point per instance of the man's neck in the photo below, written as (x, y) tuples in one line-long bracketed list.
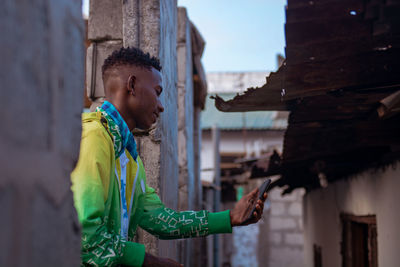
[(128, 120)]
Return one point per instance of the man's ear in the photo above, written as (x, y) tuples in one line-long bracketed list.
[(131, 84)]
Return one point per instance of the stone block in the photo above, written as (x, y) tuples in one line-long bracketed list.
[(102, 11), (96, 54), (286, 257), (275, 238), (294, 239), (295, 209), (183, 23), (131, 23), (156, 17), (276, 194), (182, 63), (282, 223), (300, 223), (277, 208), (183, 198)]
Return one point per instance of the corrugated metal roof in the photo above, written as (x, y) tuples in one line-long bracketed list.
[(258, 120)]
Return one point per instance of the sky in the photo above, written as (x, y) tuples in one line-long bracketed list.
[(240, 35)]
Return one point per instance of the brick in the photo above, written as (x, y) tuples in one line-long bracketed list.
[(280, 223), (275, 238), (277, 208), (286, 256), (300, 223), (103, 50), (295, 209), (294, 239), (105, 20), (276, 195)]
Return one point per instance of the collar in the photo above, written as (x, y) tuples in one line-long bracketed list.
[(123, 138)]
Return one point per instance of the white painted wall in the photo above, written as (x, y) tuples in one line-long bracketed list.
[(219, 82), (372, 192)]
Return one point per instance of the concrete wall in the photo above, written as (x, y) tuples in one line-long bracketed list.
[(185, 126), (185, 113), (369, 193), (226, 82), (282, 230), (277, 239), (41, 80)]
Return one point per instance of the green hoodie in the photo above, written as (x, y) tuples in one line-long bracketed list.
[(96, 186)]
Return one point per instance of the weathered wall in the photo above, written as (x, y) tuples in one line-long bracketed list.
[(277, 239), (105, 33), (185, 125), (219, 82), (281, 231), (372, 192), (185, 113), (41, 79)]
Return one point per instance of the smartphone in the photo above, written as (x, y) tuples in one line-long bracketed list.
[(261, 190)]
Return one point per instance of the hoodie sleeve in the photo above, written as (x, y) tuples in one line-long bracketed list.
[(166, 223)]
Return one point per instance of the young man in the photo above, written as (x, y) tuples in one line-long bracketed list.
[(109, 183)]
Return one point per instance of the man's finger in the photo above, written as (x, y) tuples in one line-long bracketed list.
[(254, 192), (264, 196)]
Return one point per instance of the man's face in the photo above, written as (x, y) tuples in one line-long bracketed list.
[(147, 90)]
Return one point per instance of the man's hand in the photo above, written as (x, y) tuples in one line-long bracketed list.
[(244, 206), (153, 261)]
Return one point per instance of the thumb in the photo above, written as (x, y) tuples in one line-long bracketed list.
[(254, 193)]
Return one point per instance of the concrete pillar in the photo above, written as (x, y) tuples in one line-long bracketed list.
[(41, 80), (187, 193)]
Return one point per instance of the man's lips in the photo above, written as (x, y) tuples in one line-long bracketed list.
[(155, 116)]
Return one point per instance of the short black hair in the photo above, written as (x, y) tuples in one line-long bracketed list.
[(131, 56)]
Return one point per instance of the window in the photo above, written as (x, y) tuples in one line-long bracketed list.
[(359, 241)]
